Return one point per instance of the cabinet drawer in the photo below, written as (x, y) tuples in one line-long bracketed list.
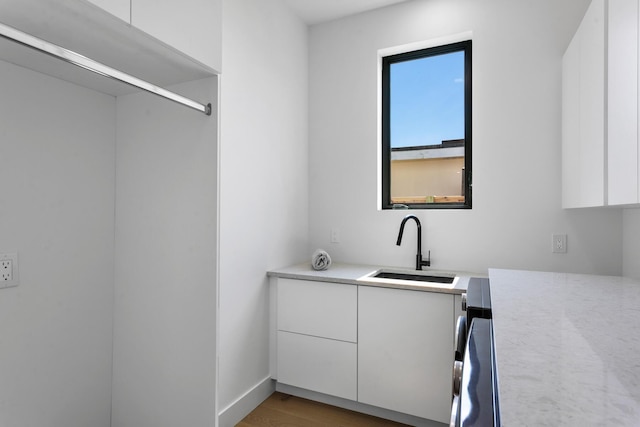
[(321, 309), (318, 364)]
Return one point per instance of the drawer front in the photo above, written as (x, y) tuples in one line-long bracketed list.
[(318, 364), (321, 309)]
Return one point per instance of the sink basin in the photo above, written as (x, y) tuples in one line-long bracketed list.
[(411, 278), (414, 277)]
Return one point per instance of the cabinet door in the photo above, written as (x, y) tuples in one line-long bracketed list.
[(191, 26), (583, 137), (318, 364), (321, 309), (571, 124), (405, 354), (119, 8), (622, 141)]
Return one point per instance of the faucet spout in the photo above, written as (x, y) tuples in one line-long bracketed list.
[(419, 261)]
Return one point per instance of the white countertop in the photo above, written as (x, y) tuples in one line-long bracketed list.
[(567, 348), (353, 274)]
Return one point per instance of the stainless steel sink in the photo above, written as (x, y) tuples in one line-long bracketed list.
[(412, 278)]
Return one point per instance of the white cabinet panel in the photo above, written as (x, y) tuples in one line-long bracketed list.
[(571, 179), (389, 348), (600, 114), (191, 26), (583, 154), (318, 364), (119, 8), (592, 90), (405, 352), (622, 141), (320, 309), (80, 26)]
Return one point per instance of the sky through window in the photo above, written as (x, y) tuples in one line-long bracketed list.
[(427, 100)]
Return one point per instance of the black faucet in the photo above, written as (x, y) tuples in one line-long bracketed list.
[(419, 261)]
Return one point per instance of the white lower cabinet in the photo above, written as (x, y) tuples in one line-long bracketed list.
[(319, 364), (405, 351), (389, 348), (316, 337), (320, 309)]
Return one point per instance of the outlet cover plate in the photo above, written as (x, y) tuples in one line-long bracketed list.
[(12, 264), (335, 235), (559, 242)]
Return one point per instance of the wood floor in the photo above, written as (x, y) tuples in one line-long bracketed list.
[(281, 410)]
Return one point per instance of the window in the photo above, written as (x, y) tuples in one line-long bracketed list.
[(426, 128)]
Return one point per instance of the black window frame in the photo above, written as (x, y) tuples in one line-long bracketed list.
[(387, 61)]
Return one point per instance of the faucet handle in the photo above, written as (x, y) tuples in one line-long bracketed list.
[(422, 262)]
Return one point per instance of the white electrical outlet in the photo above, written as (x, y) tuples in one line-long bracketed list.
[(335, 235), (559, 243), (8, 270)]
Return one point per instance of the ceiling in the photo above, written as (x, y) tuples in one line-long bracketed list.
[(317, 11)]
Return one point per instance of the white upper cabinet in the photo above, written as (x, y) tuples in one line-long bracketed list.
[(583, 95), (600, 115), (95, 29), (191, 26), (119, 8), (622, 137)]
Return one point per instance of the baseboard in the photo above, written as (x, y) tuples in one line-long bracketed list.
[(241, 407), (358, 407)]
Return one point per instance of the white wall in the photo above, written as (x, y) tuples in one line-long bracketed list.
[(57, 154), (263, 213), (165, 275), (517, 49)]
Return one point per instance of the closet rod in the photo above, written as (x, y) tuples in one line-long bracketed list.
[(97, 67)]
